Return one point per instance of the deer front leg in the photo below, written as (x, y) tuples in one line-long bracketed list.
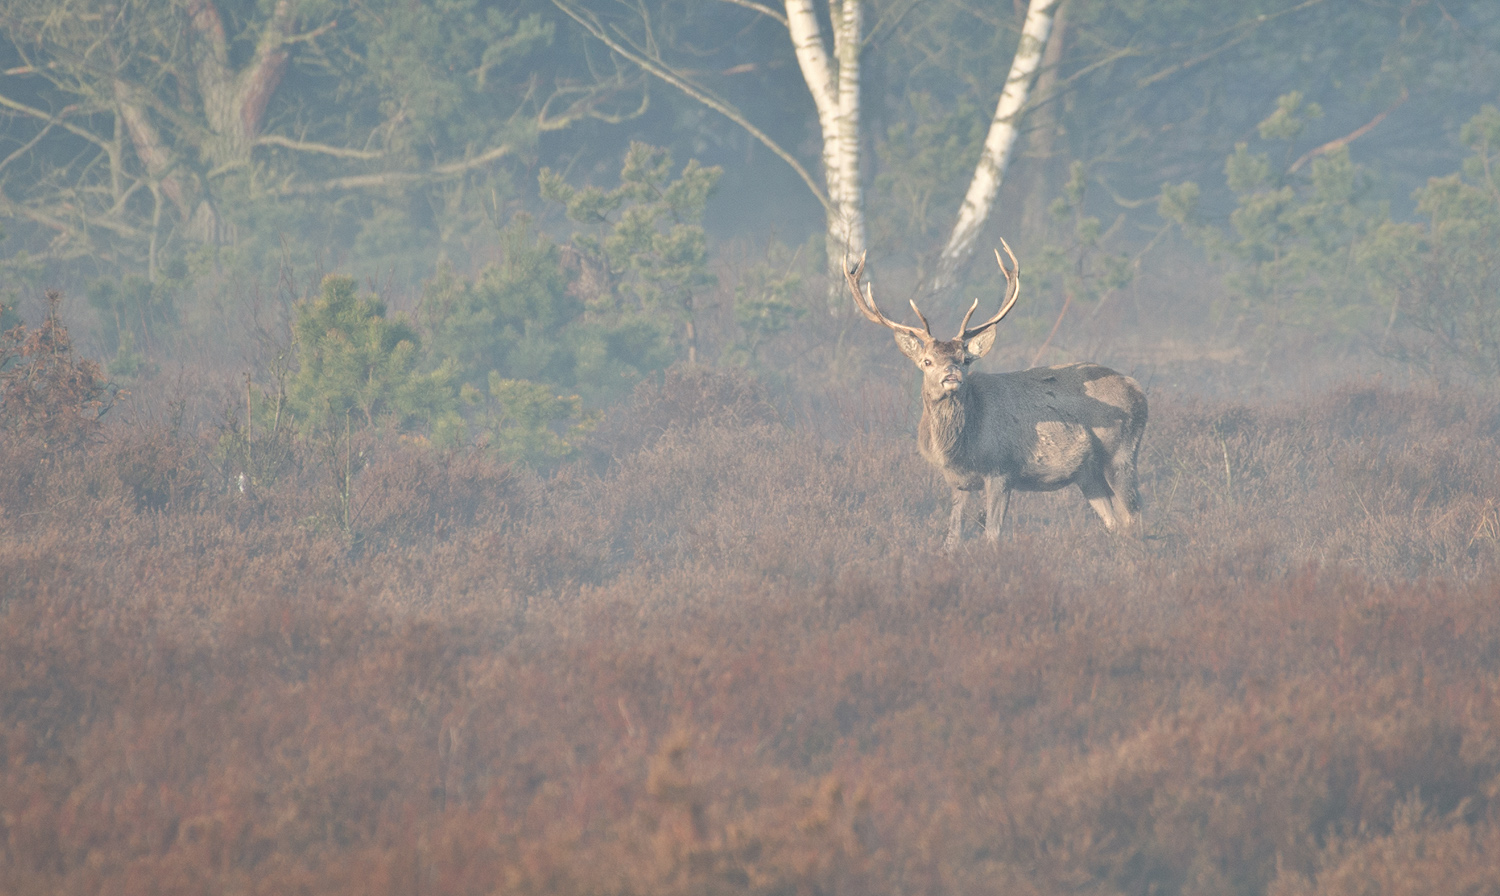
[(956, 522), (996, 506)]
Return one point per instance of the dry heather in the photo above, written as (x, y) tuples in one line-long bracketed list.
[(721, 654)]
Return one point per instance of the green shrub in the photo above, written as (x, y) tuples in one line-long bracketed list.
[(529, 355), (1440, 277), (356, 363), (531, 423), (1293, 231), (765, 305), (513, 319), (644, 239)]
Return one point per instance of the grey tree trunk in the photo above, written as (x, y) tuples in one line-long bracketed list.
[(234, 102)]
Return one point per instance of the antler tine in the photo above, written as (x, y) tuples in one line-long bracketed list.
[(1012, 292), (968, 314), (920, 316), (1012, 277), (864, 300)]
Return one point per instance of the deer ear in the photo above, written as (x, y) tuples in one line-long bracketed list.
[(910, 345), (980, 344)]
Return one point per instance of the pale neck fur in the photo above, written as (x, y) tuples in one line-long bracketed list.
[(944, 423)]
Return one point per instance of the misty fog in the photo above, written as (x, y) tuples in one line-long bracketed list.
[(440, 451)]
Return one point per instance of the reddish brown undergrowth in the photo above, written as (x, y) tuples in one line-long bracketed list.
[(722, 655)]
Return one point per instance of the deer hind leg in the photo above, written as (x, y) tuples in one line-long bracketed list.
[(1121, 477), (1096, 489)]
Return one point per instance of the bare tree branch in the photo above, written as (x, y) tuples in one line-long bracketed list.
[(57, 218), (582, 108), (396, 178), (341, 152), (660, 70), (761, 8), (1246, 30), (55, 119), (1350, 137), (470, 164), (28, 145)]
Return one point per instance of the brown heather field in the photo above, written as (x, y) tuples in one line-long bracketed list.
[(722, 654)]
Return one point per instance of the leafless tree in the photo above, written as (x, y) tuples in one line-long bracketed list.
[(1034, 430)]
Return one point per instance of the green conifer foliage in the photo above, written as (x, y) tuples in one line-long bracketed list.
[(1295, 227), (529, 354), (357, 363), (512, 318), (645, 240), (1440, 277), (531, 423)]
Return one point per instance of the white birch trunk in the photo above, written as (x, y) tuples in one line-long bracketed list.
[(997, 145), (848, 30), (836, 95), (807, 43)]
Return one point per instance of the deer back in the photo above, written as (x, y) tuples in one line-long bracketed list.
[(1041, 426)]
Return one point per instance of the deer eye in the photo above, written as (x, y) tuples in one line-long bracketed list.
[(926, 362)]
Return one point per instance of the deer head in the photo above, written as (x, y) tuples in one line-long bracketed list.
[(1033, 430), (944, 363)]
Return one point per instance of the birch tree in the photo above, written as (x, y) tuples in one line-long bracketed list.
[(833, 82), (998, 144), (835, 93)]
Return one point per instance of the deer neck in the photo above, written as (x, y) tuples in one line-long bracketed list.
[(942, 427)]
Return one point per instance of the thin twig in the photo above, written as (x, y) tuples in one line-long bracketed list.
[(1067, 300), (1350, 137)]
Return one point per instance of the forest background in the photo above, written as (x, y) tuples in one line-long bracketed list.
[(437, 458)]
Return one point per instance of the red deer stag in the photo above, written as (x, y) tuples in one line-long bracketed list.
[(1034, 430)]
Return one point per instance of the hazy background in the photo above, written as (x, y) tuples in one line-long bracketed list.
[(1222, 180), (432, 459)]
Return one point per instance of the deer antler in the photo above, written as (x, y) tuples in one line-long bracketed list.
[(1012, 292), (864, 299)]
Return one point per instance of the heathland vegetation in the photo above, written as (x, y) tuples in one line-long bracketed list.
[(429, 464), (720, 651)]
